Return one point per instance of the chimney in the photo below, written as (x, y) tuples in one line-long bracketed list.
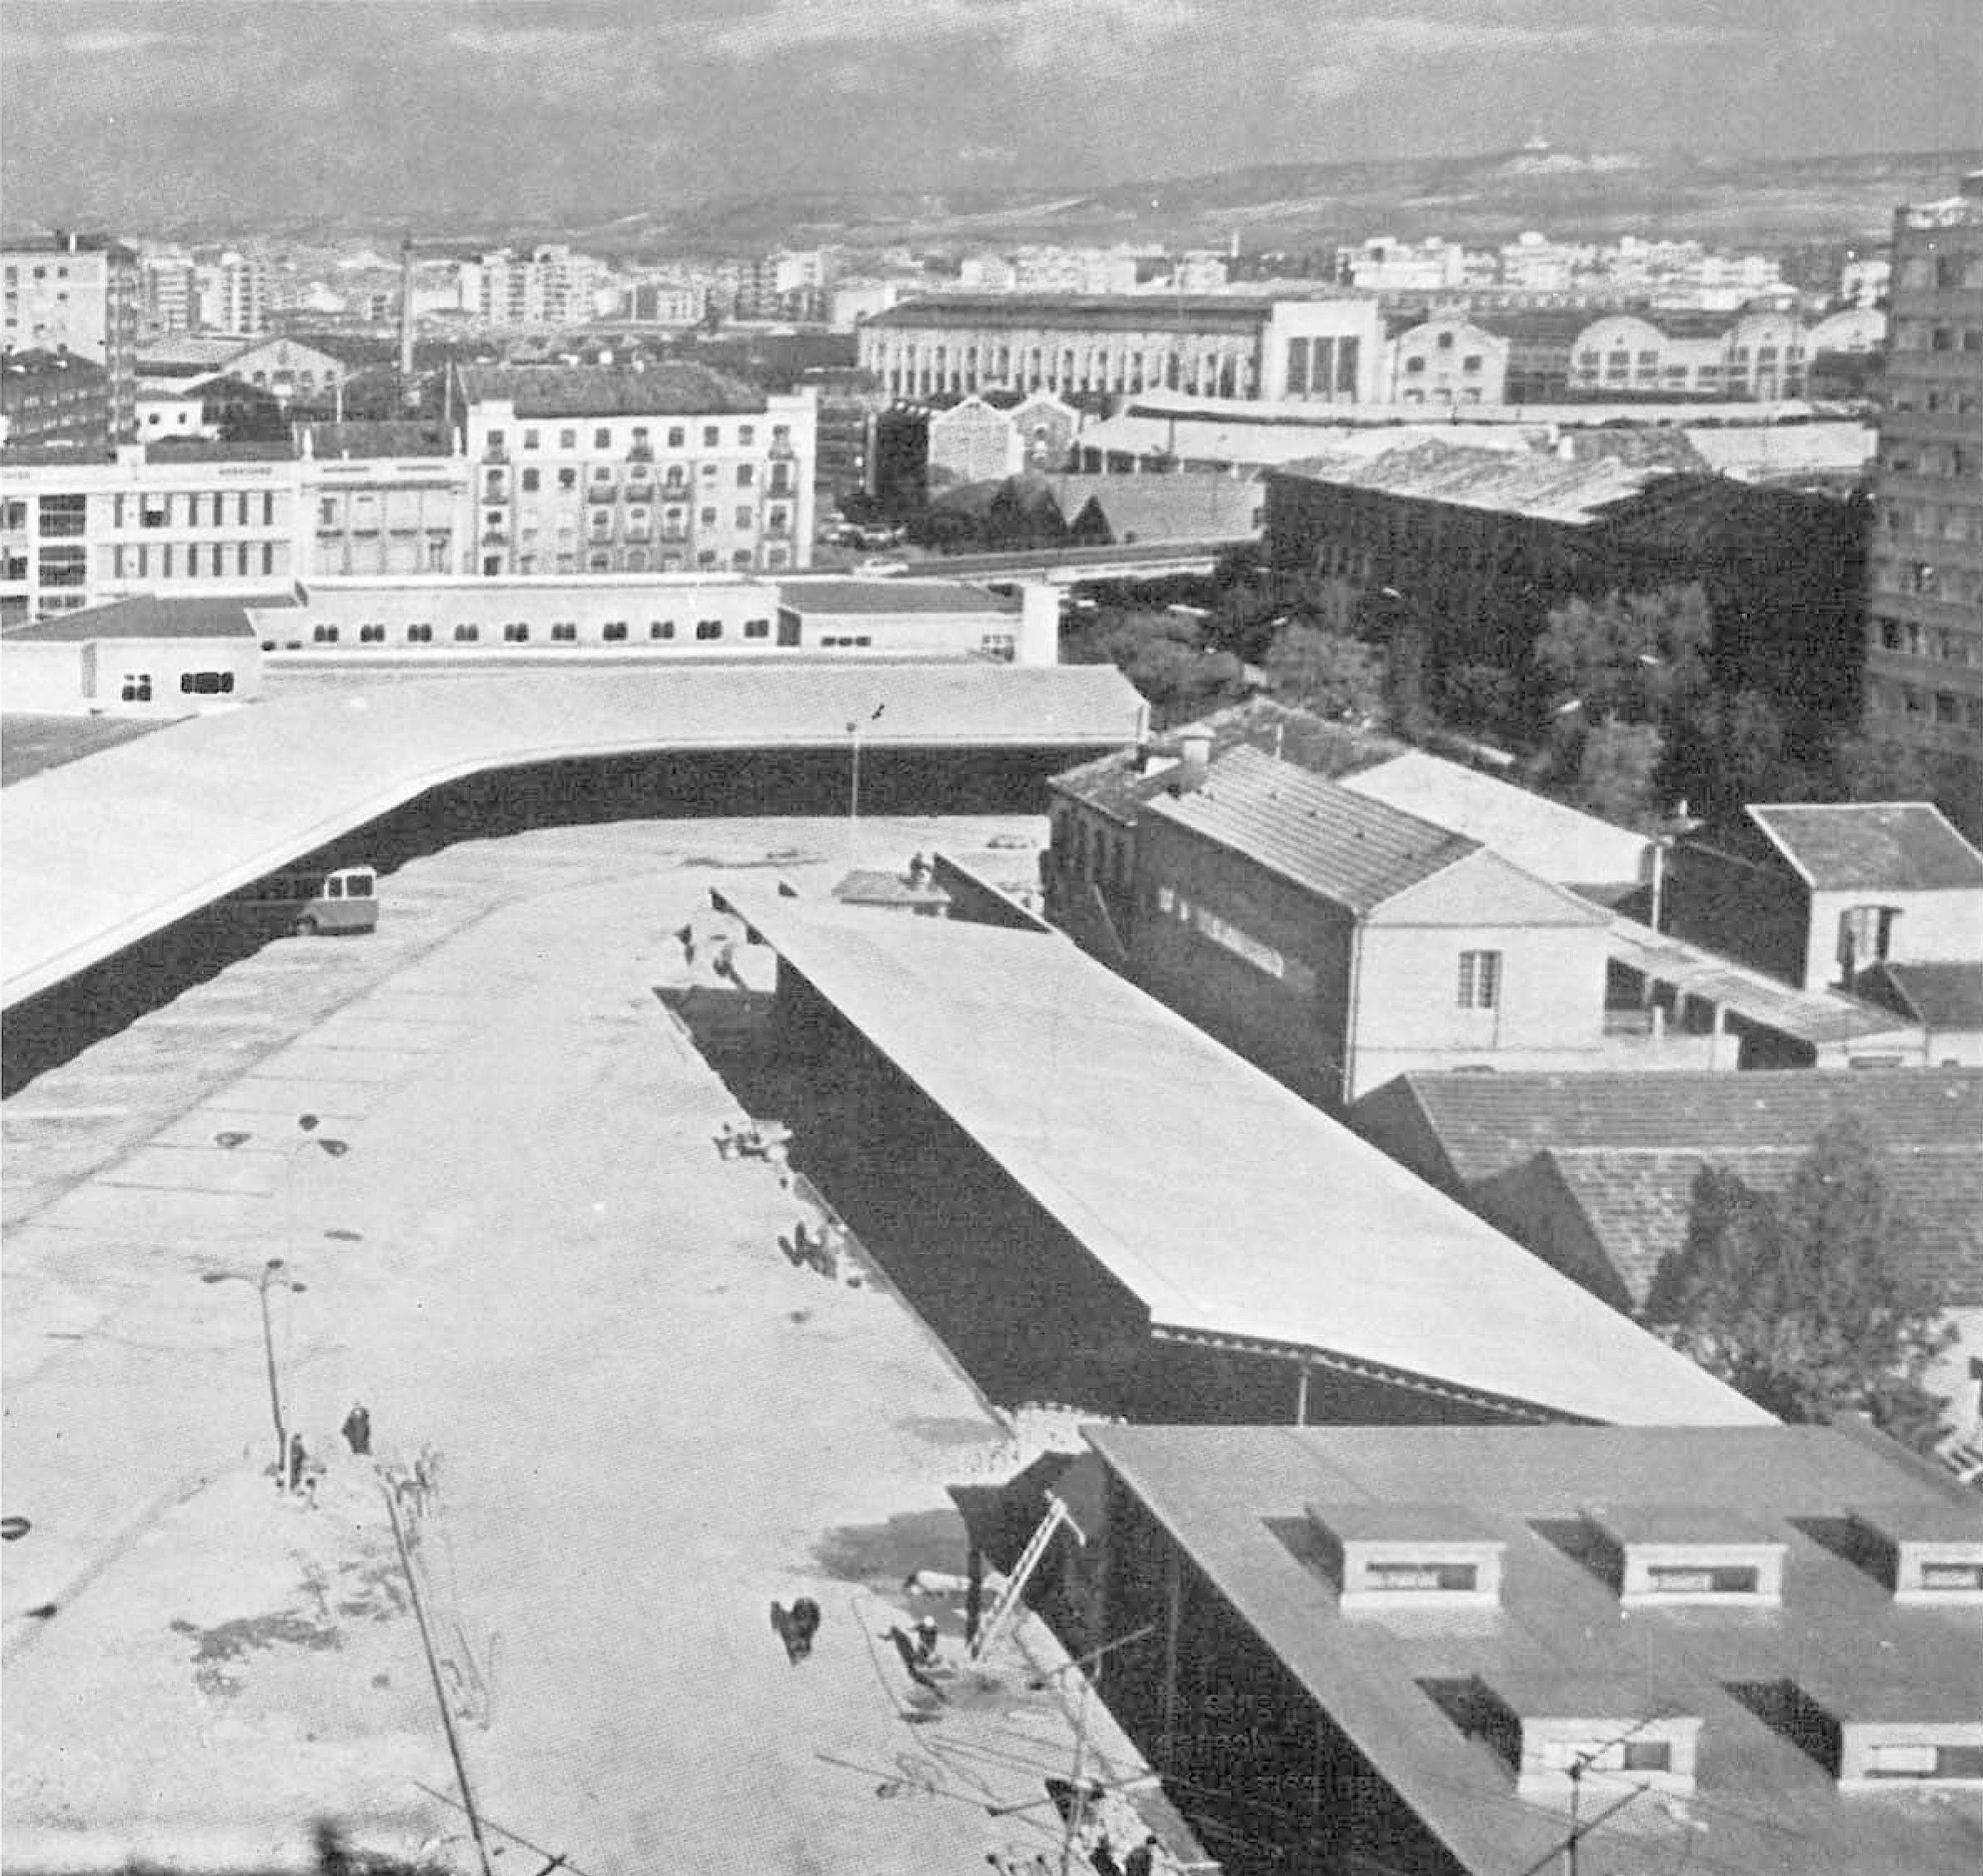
[(409, 390), (1194, 759)]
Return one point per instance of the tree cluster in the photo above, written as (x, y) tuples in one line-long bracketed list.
[(1809, 1302)]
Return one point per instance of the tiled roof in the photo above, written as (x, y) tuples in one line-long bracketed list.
[(1936, 996), (145, 617), (38, 362), (1165, 507), (1343, 846), (1636, 1201), (583, 390), (377, 437), (1544, 487), (1489, 1124), (1232, 1499), (1121, 785), (1900, 846)]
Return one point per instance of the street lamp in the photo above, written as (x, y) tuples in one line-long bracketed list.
[(854, 726), (271, 1273), (274, 1271)]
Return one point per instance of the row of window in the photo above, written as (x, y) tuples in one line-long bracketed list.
[(241, 559), (1911, 334), (641, 436), (517, 632), (635, 560), (674, 485), (1941, 707), (1949, 645), (496, 522)]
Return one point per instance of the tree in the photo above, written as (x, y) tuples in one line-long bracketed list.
[(1809, 1304), (1329, 674), (1635, 655), (1166, 657), (1614, 780)]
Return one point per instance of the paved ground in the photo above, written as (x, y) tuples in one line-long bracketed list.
[(531, 1260)]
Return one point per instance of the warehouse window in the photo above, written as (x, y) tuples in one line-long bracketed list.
[(1479, 980)]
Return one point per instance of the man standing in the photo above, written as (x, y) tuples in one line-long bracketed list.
[(357, 1430)]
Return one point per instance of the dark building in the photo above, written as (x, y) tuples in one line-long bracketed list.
[(1924, 624), (1472, 547), (1485, 1651), (54, 398)]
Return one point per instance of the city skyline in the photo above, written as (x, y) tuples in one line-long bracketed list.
[(161, 112)]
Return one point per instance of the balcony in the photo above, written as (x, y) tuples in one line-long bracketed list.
[(602, 491), (638, 533), (495, 452), (495, 537), (782, 453), (641, 452), (677, 534)]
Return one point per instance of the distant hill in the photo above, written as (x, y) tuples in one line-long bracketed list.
[(1726, 201)]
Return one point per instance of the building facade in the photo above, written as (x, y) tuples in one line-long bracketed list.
[(53, 397), (1924, 621), (1322, 350), (1447, 358), (231, 295), (79, 292), (671, 469)]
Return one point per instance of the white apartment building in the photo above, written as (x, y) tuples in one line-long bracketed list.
[(1383, 264), (550, 286), (232, 294), (674, 468)]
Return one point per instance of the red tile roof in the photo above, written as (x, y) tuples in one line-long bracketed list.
[(1897, 846)]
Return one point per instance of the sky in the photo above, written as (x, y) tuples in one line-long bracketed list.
[(125, 112)]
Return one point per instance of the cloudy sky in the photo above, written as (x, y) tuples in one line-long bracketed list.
[(159, 109)]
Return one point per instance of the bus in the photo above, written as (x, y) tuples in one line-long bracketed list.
[(306, 904)]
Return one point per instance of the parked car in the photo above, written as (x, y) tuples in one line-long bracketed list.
[(873, 569)]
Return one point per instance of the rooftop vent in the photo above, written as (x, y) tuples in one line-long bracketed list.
[(1409, 1556), (1870, 1730), (1925, 1553), (1553, 1730), (1666, 1554)]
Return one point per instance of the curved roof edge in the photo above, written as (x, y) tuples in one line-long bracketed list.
[(104, 852)]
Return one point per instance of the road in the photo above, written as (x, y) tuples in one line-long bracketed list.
[(532, 1261)]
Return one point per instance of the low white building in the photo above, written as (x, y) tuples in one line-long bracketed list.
[(135, 657)]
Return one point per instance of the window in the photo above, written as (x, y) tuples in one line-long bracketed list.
[(712, 435), (531, 479), (602, 438), (62, 516), (1952, 1576), (707, 629), (324, 635), (530, 439), (746, 474), (326, 514), (371, 634), (136, 688), (1682, 1579), (419, 635), (516, 633), (466, 634), (661, 628), (746, 435), (1647, 1755), (677, 436), (614, 630), (1899, 1761), (708, 517), (206, 683), (567, 439), (565, 632), (1409, 1575), (567, 478), (640, 435), (744, 517), (1865, 936), (1479, 980), (495, 439), (757, 628)]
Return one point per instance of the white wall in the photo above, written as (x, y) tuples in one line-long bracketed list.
[(41, 680), (166, 662), (1933, 927)]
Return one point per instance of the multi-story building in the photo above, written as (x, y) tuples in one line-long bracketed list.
[(1318, 351), (169, 301), (231, 293), (209, 517), (53, 397), (383, 498), (78, 291), (550, 286), (1925, 623), (1383, 264), (674, 468)]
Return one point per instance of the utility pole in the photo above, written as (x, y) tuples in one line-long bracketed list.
[(855, 727)]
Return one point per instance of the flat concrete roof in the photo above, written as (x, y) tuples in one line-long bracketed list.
[(1234, 1210), (104, 852)]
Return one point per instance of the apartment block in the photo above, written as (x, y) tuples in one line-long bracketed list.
[(78, 292), (1924, 607)]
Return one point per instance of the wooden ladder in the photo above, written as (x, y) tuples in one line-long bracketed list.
[(1015, 1584)]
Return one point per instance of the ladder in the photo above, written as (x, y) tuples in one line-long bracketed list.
[(1015, 1584)]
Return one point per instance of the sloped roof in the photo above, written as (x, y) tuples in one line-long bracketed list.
[(592, 391), (1154, 312), (1340, 846), (1636, 1201), (1165, 507), (201, 616), (1541, 486), (377, 436), (898, 595), (1936, 996), (1123, 783), (37, 362), (1489, 1124), (1231, 1209), (1894, 846)]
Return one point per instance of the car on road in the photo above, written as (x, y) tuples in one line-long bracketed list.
[(878, 569)]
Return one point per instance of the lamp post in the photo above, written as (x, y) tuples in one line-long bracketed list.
[(854, 726), (274, 1272), (271, 1272)]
